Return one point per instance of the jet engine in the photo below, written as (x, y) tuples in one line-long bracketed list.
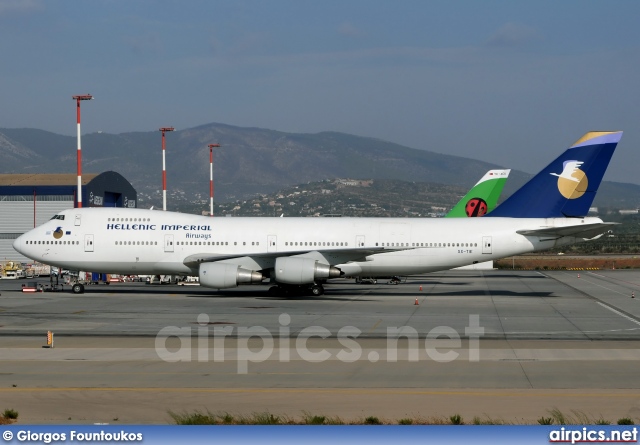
[(291, 270), (223, 275)]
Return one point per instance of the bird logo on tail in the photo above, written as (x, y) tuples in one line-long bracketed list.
[(572, 182)]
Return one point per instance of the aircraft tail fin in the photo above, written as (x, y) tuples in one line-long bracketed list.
[(483, 197), (567, 186)]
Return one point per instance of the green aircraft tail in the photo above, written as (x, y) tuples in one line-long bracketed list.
[(483, 197)]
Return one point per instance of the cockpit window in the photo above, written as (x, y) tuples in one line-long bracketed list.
[(60, 217)]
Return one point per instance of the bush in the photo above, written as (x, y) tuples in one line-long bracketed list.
[(456, 419), (372, 420), (10, 414), (195, 418), (265, 419), (625, 421), (545, 421), (314, 420)]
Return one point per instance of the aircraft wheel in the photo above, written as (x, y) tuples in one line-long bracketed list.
[(274, 290), (317, 290), (77, 288)]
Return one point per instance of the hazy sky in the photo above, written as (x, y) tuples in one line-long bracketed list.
[(509, 82)]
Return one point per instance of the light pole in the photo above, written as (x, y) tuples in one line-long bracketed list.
[(164, 170), (79, 168), (211, 176)]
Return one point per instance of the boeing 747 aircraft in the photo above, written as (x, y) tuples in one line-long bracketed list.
[(300, 254)]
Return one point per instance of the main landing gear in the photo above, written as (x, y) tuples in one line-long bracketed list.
[(289, 290), (77, 288)]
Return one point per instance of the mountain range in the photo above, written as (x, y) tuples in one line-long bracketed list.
[(252, 161)]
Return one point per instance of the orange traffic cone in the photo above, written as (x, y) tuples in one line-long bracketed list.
[(421, 288), (416, 303), (578, 275)]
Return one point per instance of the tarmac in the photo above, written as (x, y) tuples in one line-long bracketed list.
[(500, 345)]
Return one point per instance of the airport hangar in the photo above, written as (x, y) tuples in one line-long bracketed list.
[(28, 200)]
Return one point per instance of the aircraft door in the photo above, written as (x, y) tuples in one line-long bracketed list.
[(168, 243), (88, 243), (77, 220), (359, 240), (272, 245), (486, 244)]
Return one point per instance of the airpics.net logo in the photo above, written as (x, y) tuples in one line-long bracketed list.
[(593, 435), (256, 344), (572, 182)]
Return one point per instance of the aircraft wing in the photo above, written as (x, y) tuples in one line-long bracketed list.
[(586, 231), (336, 255)]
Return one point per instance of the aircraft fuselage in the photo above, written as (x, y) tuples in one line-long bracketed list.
[(137, 241)]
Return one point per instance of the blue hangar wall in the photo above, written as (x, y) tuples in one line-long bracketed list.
[(28, 200)]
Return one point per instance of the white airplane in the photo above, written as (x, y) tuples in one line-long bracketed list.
[(300, 254)]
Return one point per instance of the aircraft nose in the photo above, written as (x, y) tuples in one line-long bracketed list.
[(17, 244)]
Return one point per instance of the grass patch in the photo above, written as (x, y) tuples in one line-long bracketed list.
[(10, 414), (372, 420), (194, 418), (556, 417), (264, 419), (545, 420), (456, 419), (226, 419), (8, 417), (207, 418), (625, 421), (576, 417), (310, 419), (487, 421)]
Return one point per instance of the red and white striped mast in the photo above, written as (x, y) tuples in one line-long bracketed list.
[(79, 168), (211, 176), (164, 169)]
